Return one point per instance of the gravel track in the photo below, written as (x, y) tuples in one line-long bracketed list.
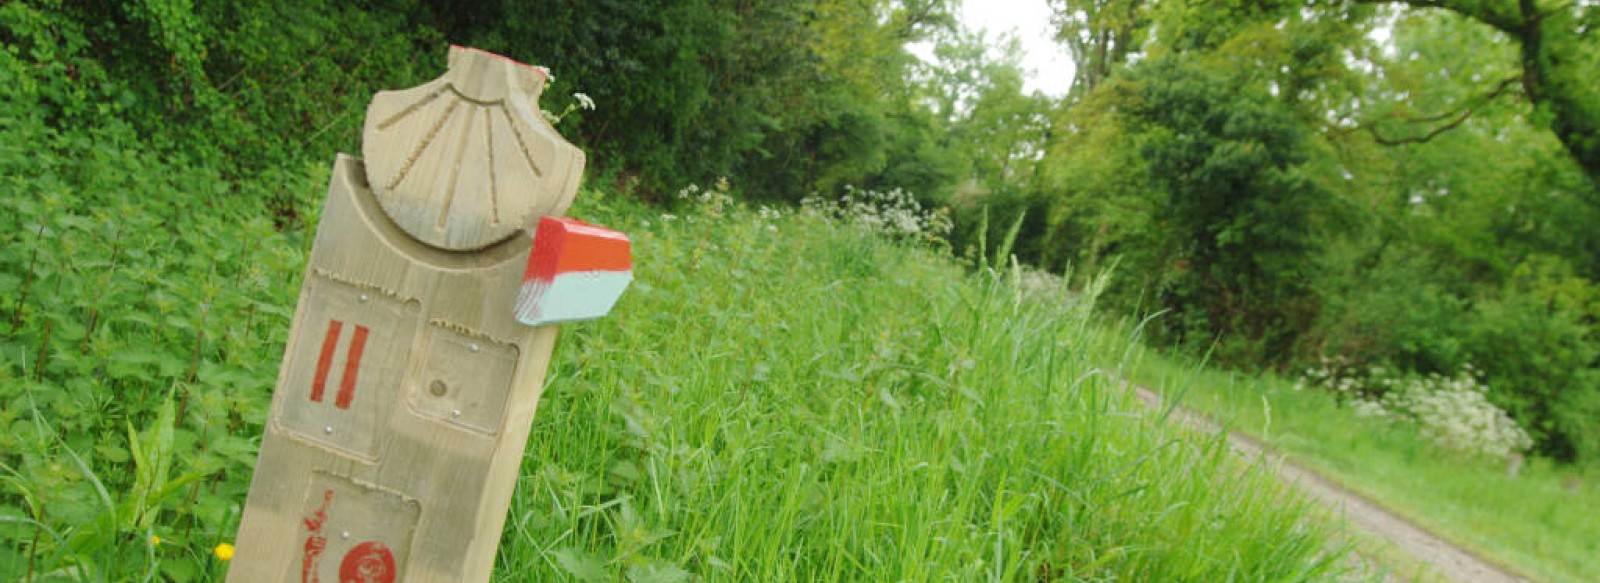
[(1447, 560)]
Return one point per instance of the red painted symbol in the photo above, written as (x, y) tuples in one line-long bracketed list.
[(369, 562), (352, 364), (315, 543)]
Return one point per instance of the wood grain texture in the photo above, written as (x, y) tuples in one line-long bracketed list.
[(409, 451), (407, 388), (466, 160)]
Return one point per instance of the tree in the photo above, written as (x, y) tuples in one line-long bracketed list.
[(1198, 180), (977, 88), (996, 134), (1560, 59), (1100, 35)]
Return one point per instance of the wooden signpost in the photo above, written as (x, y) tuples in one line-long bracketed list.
[(420, 344)]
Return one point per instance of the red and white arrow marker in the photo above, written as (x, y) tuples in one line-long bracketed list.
[(576, 272)]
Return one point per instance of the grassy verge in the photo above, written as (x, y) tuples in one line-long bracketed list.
[(1540, 523), (792, 400)]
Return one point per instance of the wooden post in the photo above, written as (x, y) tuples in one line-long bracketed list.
[(408, 386)]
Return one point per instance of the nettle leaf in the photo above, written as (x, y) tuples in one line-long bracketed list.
[(179, 571), (215, 511), (624, 472), (238, 450), (581, 565), (9, 284), (76, 222), (286, 313), (110, 452), (658, 572)]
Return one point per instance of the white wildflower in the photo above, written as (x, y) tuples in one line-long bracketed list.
[(895, 213), (1454, 412)]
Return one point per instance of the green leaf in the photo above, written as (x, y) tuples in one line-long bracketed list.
[(152, 457), (658, 572), (581, 565), (111, 452)]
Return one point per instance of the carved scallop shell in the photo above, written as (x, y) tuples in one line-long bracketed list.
[(465, 161)]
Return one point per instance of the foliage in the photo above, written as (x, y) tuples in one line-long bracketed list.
[(819, 402), (795, 96), (976, 89), (1453, 412), (1532, 516), (145, 298), (1100, 35), (1559, 61), (1442, 272), (1357, 230), (893, 214), (1548, 352), (1282, 180), (1232, 204), (717, 454)]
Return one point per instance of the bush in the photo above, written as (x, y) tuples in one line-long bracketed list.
[(893, 213), (1454, 412), (1390, 314), (1542, 358)]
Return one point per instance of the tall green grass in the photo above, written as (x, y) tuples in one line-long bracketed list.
[(777, 398), (1541, 523), (795, 400)]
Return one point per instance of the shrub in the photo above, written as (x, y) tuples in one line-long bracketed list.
[(895, 213), (1542, 352), (1454, 412)]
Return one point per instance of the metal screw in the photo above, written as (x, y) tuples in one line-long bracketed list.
[(472, 347), (455, 413), (345, 535), (328, 430), (364, 298), (437, 388)]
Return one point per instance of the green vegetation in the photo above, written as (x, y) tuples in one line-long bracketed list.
[(1284, 183), (866, 411), (1536, 522), (1286, 188)]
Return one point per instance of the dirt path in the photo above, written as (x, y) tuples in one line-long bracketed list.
[(1448, 560)]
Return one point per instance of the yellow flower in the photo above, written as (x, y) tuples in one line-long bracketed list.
[(155, 540), (224, 551)]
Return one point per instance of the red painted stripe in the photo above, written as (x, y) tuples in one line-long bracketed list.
[(352, 367), (325, 362), (563, 245), (591, 248)]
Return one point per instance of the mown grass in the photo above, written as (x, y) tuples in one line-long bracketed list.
[(1540, 523)]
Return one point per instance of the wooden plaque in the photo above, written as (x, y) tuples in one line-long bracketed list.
[(408, 388)]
